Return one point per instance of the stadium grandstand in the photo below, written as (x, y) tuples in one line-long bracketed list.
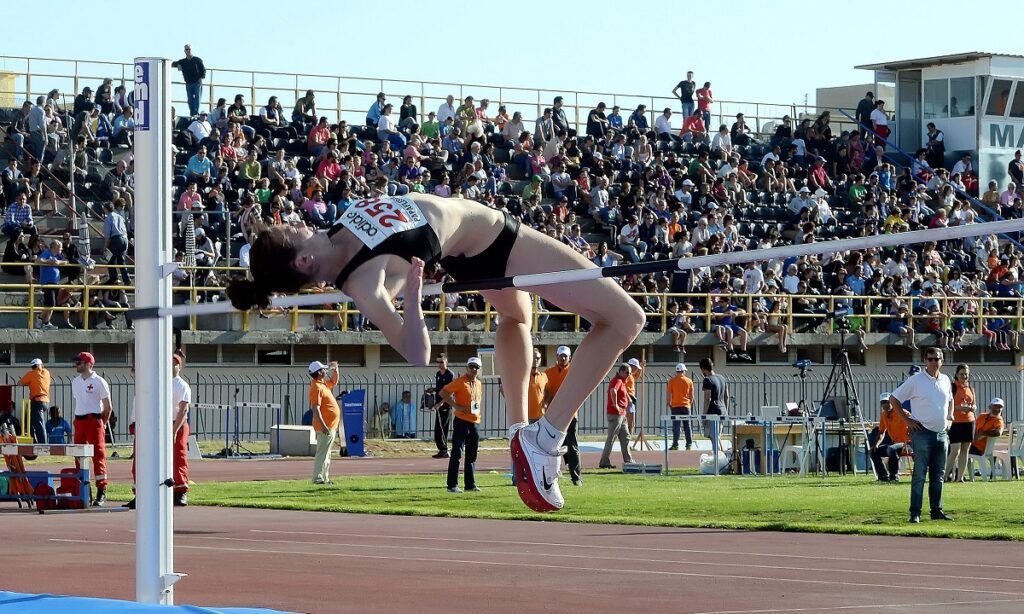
[(619, 178)]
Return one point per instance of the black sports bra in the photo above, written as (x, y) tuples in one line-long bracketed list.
[(387, 226)]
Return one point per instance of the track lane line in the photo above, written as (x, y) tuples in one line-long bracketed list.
[(639, 548), (558, 567), (581, 556)]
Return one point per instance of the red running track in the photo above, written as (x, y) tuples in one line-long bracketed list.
[(322, 562)]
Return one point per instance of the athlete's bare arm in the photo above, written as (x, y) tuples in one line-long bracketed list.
[(408, 335)]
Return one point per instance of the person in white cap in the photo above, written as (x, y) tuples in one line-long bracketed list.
[(556, 374), (891, 438), (326, 416), (680, 402), (38, 381), (801, 201), (989, 424), (464, 395)]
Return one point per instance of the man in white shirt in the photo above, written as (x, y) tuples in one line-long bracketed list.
[(92, 410), (791, 282), (931, 411), (753, 279), (181, 395), (825, 215), (772, 155), (201, 128), (963, 166), (446, 110), (801, 201), (663, 126)]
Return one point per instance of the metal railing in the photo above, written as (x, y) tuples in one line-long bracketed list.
[(871, 312), (750, 393), (347, 97)]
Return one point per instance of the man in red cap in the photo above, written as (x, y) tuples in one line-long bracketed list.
[(92, 410)]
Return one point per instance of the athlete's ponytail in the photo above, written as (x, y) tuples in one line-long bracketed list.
[(270, 265)]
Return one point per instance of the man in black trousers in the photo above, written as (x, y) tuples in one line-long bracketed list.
[(442, 418)]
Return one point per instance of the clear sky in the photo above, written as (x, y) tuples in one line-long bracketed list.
[(774, 52)]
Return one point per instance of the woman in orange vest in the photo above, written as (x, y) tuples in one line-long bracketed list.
[(961, 432)]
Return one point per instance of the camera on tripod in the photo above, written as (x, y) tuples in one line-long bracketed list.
[(804, 365)]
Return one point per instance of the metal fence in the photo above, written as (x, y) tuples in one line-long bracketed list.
[(750, 394), (349, 97)]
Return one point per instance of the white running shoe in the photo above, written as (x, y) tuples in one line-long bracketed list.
[(536, 471)]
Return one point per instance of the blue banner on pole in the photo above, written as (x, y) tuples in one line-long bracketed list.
[(142, 97), (352, 411)]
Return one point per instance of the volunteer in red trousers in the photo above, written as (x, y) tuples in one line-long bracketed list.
[(92, 410)]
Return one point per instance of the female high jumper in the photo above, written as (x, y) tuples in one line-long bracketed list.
[(377, 250)]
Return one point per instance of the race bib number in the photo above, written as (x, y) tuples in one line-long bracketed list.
[(375, 219)]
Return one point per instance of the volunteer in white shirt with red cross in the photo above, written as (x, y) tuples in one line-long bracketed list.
[(92, 410), (181, 393)]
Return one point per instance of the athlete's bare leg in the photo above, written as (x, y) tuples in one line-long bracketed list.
[(513, 348), (615, 319)]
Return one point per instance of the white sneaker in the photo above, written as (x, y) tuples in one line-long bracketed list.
[(536, 471)]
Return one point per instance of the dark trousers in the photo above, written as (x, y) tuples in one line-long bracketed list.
[(572, 451), (464, 435), (886, 449), (684, 424), (37, 422), (118, 249), (929, 458), (441, 418)]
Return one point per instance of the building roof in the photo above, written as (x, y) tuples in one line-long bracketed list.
[(954, 58)]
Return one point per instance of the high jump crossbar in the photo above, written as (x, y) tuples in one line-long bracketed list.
[(588, 274)]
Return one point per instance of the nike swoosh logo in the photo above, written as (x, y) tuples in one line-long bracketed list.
[(550, 434), (544, 480)]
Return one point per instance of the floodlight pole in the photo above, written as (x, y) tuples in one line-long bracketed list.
[(154, 538)]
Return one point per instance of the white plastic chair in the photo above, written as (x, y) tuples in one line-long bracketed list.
[(793, 456), (988, 463), (1015, 455)]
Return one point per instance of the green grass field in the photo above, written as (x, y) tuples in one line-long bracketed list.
[(855, 505)]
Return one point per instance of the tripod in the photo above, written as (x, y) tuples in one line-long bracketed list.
[(842, 374)]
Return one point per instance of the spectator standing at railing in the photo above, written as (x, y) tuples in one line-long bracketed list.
[(38, 381), (49, 275), (880, 124), (37, 135), (684, 91), (559, 119), (864, 109), (704, 101), (83, 101), (115, 235), (193, 71), (18, 130), (935, 146)]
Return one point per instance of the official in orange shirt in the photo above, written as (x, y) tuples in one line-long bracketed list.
[(680, 401), (556, 375), (326, 416), (892, 437), (961, 432), (636, 371), (38, 381), (464, 395), (990, 424), (535, 390)]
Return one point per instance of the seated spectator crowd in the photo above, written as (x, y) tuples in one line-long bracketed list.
[(622, 191)]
